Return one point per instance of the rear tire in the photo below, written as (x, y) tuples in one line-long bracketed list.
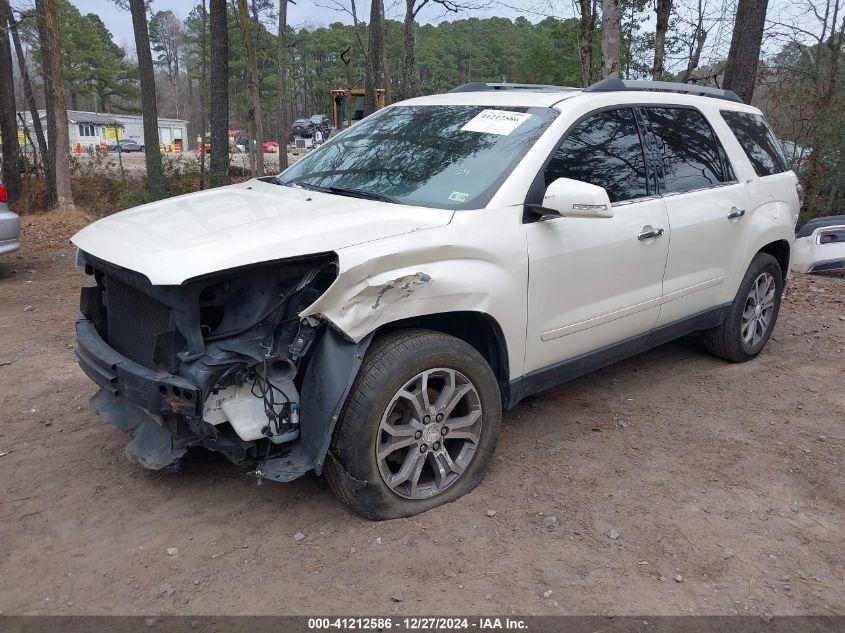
[(752, 315), (386, 463)]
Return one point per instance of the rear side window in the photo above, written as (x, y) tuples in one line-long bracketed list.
[(758, 141), (690, 154), (604, 150)]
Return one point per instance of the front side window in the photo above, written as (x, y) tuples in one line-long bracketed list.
[(758, 142), (451, 157), (690, 154), (604, 150)]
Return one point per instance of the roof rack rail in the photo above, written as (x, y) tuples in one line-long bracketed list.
[(481, 86), (612, 85)]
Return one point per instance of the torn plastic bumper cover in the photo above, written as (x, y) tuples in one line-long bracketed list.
[(152, 445), (163, 411)]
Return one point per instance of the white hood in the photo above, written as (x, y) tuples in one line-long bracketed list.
[(180, 238)]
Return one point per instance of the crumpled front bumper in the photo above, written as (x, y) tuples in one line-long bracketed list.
[(158, 392), (134, 398)]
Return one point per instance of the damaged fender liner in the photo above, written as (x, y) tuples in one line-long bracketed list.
[(330, 374)]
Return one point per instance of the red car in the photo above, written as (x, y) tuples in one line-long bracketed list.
[(269, 147)]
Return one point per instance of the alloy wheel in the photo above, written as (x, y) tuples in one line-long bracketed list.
[(759, 307), (429, 433)]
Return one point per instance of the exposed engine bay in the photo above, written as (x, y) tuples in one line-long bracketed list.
[(219, 362)]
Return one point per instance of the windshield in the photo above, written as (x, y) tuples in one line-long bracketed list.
[(452, 157)]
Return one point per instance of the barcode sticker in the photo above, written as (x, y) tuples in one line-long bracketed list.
[(501, 122)]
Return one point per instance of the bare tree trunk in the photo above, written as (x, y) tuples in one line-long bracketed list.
[(29, 96), (696, 46), (219, 31), (203, 86), (49, 117), (387, 83), (282, 88), (409, 56), (585, 42), (663, 8), (12, 160), (610, 39), (834, 46), (349, 99), (149, 107), (54, 89), (744, 54), (254, 112), (375, 57)]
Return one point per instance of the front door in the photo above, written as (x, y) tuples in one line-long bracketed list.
[(597, 282)]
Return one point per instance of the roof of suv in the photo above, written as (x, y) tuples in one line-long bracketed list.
[(521, 95)]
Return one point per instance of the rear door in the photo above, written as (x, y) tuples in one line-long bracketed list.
[(706, 207), (596, 282)]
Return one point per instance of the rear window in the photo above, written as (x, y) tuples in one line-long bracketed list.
[(758, 141)]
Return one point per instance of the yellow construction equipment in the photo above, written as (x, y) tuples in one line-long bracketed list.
[(348, 106)]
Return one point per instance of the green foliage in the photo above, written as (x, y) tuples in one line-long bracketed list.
[(93, 63), (803, 98)]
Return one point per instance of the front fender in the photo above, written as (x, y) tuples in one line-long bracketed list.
[(427, 278)]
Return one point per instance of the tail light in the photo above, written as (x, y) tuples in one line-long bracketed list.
[(2, 193), (800, 191)]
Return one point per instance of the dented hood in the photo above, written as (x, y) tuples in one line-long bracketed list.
[(177, 239)]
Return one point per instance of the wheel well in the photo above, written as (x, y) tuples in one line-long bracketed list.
[(474, 328), (780, 251)]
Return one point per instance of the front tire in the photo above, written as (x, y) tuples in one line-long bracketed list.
[(752, 315), (419, 427)]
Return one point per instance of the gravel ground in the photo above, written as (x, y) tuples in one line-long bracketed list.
[(672, 483)]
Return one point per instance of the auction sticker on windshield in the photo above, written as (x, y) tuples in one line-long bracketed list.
[(501, 122)]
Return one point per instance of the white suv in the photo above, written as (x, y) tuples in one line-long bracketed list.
[(370, 312)]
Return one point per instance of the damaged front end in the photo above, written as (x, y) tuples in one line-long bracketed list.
[(222, 361)]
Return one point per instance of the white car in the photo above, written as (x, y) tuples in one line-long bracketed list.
[(820, 245), (370, 312)]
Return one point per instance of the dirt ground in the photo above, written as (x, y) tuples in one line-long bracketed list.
[(679, 484)]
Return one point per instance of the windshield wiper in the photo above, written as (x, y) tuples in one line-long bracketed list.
[(362, 193), (344, 191)]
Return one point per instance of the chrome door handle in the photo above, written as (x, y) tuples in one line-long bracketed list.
[(736, 213), (649, 233)]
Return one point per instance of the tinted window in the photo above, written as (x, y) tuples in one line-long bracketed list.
[(691, 156), (758, 141), (604, 150)]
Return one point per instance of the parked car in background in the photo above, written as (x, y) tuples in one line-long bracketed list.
[(10, 226), (322, 123), (303, 127), (820, 245), (269, 147), (126, 145), (367, 314)]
